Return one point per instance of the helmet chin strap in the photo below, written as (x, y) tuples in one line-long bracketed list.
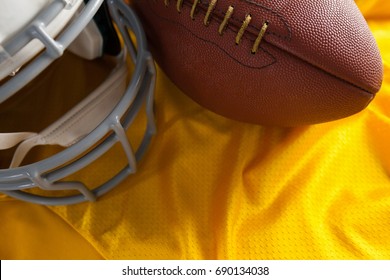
[(89, 43), (99, 37), (74, 125)]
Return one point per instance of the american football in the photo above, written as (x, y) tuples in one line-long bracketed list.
[(285, 63)]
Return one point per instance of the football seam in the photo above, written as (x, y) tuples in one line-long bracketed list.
[(238, 22), (186, 3), (265, 65), (283, 20), (251, 2)]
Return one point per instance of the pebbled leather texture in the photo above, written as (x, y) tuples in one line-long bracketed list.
[(317, 61)]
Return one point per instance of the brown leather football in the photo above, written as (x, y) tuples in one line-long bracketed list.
[(284, 62)]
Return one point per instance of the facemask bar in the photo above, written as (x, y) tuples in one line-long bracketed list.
[(41, 29), (140, 91)]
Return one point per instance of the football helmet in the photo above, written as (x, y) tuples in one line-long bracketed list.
[(34, 36)]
